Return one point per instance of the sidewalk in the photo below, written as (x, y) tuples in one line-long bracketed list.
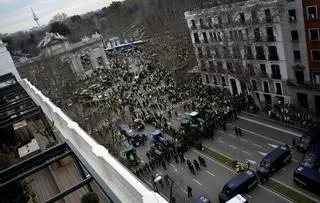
[(264, 117)]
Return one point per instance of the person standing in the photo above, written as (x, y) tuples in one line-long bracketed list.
[(236, 130), (239, 132), (189, 189)]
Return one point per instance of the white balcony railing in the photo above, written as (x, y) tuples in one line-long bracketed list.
[(115, 179)]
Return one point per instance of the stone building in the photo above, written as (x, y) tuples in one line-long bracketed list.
[(251, 45), (82, 57)]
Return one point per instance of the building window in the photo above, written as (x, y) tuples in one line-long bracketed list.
[(219, 20), (267, 14), (292, 15), (257, 35), (263, 69), (315, 55), (240, 35), (251, 70), (314, 34), (296, 55), (278, 88), (242, 18), (223, 80), (229, 19), (209, 21), (196, 38), (254, 16), (211, 66), (215, 36), (214, 78), (217, 53), (270, 34), (235, 34), (208, 53), (205, 38), (312, 12), (260, 53), (220, 67), (193, 24), (317, 78), (231, 35), (200, 53), (302, 100), (230, 67), (254, 85), (201, 23), (266, 86), (275, 72), (249, 54), (273, 54), (300, 77), (203, 65), (207, 79), (294, 35), (211, 36)]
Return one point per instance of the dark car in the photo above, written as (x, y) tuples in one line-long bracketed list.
[(274, 161), (308, 139), (240, 184), (312, 157), (201, 199), (134, 137)]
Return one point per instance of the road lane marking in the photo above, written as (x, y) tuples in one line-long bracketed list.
[(245, 152), (248, 196), (196, 181), (210, 173), (273, 145), (269, 126), (183, 190), (251, 161), (244, 140), (262, 153), (295, 160), (231, 135), (173, 165), (142, 161), (254, 144), (221, 141), (159, 172), (267, 138), (234, 147)]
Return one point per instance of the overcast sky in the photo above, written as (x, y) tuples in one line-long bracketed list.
[(15, 15)]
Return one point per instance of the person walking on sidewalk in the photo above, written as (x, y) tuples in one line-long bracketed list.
[(189, 189), (236, 130), (240, 132)]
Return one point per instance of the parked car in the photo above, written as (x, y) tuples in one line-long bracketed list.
[(312, 158)]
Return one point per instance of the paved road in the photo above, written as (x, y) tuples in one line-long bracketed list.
[(208, 182), (259, 138)]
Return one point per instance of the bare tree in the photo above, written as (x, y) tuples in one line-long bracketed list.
[(59, 17)]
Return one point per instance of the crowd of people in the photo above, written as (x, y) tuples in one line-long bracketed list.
[(289, 114)]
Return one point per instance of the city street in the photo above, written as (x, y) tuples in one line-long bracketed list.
[(259, 137), (207, 182)]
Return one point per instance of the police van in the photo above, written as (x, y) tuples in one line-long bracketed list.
[(273, 161), (312, 158), (308, 178), (308, 139), (240, 184)]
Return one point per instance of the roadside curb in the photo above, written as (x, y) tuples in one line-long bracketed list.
[(273, 121)]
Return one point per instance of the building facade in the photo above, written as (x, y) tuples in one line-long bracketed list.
[(252, 45), (7, 65)]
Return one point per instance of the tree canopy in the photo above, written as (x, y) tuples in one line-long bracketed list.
[(61, 28)]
